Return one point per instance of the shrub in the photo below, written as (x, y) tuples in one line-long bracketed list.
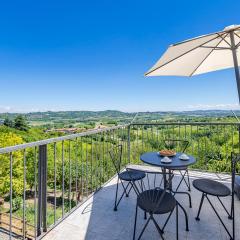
[(16, 203)]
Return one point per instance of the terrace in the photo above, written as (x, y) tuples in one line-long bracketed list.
[(95, 219), (68, 183)]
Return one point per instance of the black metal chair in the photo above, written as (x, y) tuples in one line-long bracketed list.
[(182, 146), (155, 201), (219, 190), (123, 176)]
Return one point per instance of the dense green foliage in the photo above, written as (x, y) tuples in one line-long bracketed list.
[(7, 139), (8, 122), (20, 123)]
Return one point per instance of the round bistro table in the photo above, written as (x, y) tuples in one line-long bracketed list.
[(154, 158)]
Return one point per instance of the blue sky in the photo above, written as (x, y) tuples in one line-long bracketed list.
[(92, 55)]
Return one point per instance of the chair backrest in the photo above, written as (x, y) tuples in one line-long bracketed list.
[(116, 157), (148, 186), (235, 159), (176, 144)]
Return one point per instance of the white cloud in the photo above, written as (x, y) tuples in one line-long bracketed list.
[(213, 107), (5, 109)]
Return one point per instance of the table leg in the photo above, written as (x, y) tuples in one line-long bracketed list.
[(169, 177), (164, 177)]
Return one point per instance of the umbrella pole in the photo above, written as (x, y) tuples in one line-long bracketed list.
[(235, 61)]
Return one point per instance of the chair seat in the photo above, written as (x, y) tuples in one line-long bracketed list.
[(211, 187), (237, 186), (148, 201), (132, 175)]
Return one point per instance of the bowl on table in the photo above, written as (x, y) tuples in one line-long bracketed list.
[(166, 160), (167, 153), (184, 157)]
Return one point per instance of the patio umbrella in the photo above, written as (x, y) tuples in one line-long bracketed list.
[(215, 51)]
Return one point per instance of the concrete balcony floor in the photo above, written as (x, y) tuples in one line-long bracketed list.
[(95, 219)]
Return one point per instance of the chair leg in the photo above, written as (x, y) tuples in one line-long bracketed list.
[(125, 188), (115, 204), (229, 214), (145, 215), (135, 222), (144, 228), (154, 180), (231, 237), (124, 192), (183, 179), (127, 195), (160, 231), (186, 216), (233, 216), (177, 221), (170, 214), (142, 185), (232, 207), (200, 206), (189, 185)]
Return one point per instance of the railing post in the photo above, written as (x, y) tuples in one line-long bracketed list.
[(42, 190), (128, 144), (238, 138)]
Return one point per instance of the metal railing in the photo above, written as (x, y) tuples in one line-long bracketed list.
[(210, 143), (44, 181), (17, 225)]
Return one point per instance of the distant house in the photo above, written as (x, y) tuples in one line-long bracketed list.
[(100, 126), (65, 130), (1, 121)]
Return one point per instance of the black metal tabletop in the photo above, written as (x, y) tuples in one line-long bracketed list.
[(154, 158)]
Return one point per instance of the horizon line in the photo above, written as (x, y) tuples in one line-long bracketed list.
[(147, 111)]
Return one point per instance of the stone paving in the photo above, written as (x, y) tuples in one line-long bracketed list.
[(95, 219)]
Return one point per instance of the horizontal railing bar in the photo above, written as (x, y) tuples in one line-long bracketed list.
[(57, 139), (187, 123)]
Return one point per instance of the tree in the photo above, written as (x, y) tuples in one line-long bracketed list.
[(8, 122), (20, 123), (11, 139)]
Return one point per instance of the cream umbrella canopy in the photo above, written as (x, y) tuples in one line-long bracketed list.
[(202, 54)]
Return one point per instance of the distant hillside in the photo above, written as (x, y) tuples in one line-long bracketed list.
[(88, 115), (83, 116)]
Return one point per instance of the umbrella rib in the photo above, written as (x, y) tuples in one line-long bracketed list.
[(180, 55), (206, 35), (237, 45), (222, 39), (236, 35), (196, 38), (216, 48), (225, 40)]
